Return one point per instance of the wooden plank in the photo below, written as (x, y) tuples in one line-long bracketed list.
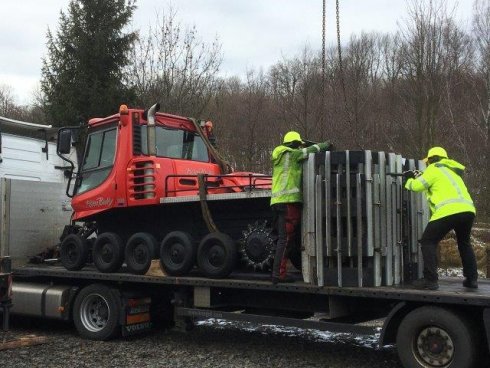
[(28, 340)]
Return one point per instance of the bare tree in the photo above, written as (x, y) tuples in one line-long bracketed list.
[(171, 65)]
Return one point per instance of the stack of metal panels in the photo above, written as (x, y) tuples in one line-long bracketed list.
[(360, 226)]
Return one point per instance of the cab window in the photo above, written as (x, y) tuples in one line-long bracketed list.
[(99, 159)]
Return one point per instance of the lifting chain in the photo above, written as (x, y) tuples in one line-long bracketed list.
[(341, 66), (323, 61)]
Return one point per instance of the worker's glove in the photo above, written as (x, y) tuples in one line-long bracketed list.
[(410, 174), (324, 146)]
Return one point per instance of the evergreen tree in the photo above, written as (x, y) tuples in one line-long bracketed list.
[(82, 74)]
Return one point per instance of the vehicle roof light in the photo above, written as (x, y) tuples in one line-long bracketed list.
[(123, 110)]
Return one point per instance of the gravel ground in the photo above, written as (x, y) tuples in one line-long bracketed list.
[(211, 344)]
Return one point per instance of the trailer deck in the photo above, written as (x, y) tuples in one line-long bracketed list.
[(450, 289)]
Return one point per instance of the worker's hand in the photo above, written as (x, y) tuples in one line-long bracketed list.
[(410, 174), (323, 146)]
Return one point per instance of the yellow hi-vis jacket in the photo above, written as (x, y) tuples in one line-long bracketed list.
[(446, 192), (287, 172)]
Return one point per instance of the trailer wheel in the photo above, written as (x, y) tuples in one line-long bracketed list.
[(140, 250), (217, 255), (74, 252), (108, 252), (96, 312), (177, 253), (436, 337)]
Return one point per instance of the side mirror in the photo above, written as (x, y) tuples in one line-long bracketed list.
[(64, 141)]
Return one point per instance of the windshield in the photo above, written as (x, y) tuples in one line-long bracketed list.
[(179, 144), (99, 159)]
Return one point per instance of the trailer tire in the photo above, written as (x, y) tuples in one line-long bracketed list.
[(436, 337), (177, 253), (96, 312), (217, 255), (108, 252), (141, 248), (74, 252)]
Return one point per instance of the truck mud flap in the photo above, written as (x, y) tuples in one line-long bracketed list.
[(136, 316)]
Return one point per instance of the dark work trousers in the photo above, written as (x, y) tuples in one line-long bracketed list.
[(436, 230), (285, 224)]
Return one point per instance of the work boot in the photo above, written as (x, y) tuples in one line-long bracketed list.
[(424, 284), (470, 283), (285, 279)]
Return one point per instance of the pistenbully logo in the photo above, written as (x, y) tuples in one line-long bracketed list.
[(99, 202)]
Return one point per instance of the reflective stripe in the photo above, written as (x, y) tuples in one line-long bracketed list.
[(460, 199), (284, 176), (423, 182), (454, 200), (410, 185), (290, 191), (448, 175)]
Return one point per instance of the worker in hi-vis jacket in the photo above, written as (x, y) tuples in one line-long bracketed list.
[(451, 208), (287, 196)]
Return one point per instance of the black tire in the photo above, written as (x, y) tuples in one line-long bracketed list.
[(140, 250), (437, 337), (108, 252), (74, 252), (96, 312), (178, 253), (217, 255)]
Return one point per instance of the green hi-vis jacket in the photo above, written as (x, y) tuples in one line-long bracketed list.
[(446, 192), (287, 170)]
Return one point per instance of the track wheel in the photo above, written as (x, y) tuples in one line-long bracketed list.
[(96, 312), (177, 253), (436, 337), (140, 250), (217, 255), (108, 252), (74, 252)]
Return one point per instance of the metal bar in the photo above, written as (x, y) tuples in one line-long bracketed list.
[(271, 320), (359, 225), (328, 205), (377, 227), (398, 269), (308, 221), (339, 228), (5, 190), (383, 211), (369, 202), (390, 219), (319, 241), (348, 195)]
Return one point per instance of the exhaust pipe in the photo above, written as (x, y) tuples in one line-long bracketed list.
[(151, 135)]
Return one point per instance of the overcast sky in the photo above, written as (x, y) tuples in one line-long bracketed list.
[(253, 33)]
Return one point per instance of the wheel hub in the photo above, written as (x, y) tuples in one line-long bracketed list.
[(106, 253), (256, 246), (177, 253), (140, 253), (94, 313), (435, 347)]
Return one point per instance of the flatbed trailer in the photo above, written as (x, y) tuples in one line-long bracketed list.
[(452, 312), (359, 256)]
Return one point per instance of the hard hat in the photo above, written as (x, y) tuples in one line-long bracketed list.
[(436, 151), (292, 136)]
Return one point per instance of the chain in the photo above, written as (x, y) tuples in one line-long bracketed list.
[(341, 66), (323, 52)]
